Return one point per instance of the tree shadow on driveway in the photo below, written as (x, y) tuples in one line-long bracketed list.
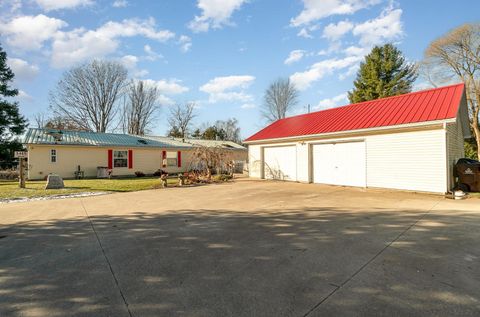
[(295, 262)]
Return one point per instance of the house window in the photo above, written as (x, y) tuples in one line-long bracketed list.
[(53, 156), (172, 159), (120, 158)]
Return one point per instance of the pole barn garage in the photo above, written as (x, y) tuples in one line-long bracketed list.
[(407, 142)]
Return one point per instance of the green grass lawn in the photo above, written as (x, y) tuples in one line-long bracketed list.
[(10, 189)]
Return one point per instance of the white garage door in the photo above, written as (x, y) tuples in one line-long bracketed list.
[(280, 162), (339, 164)]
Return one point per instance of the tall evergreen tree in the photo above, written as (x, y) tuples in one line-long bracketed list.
[(384, 73), (12, 124)]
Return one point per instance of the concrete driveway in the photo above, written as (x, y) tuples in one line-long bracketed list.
[(249, 248)]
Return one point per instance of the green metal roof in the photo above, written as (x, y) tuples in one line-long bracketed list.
[(199, 142), (85, 138)]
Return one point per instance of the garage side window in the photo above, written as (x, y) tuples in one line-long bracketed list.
[(53, 156), (120, 158), (172, 159)]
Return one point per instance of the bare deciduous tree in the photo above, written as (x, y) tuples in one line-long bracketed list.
[(181, 117), (456, 55), (88, 94), (206, 160), (226, 130), (139, 108), (230, 129), (280, 97), (40, 120), (63, 123)]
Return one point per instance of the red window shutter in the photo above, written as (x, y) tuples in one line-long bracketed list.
[(179, 159), (164, 158), (130, 158), (110, 159)]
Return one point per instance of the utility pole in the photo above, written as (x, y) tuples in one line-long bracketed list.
[(308, 108)]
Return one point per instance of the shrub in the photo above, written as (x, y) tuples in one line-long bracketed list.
[(9, 174), (159, 172), (139, 174), (223, 177), (471, 149)]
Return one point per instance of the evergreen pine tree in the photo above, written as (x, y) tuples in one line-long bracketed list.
[(12, 124), (384, 73)]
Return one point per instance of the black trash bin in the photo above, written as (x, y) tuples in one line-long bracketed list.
[(467, 172)]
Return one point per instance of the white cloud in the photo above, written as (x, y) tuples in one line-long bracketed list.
[(129, 61), (30, 32), (134, 27), (166, 101), (304, 33), (78, 45), (215, 14), (332, 102), (294, 56), (248, 106), (22, 69), (185, 43), (50, 5), (168, 86), (120, 3), (356, 51), (388, 26), (23, 95), (228, 88), (303, 80), (151, 54), (140, 73), (334, 32), (318, 9)]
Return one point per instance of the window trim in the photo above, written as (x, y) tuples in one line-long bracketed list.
[(171, 157), (53, 156), (115, 157)]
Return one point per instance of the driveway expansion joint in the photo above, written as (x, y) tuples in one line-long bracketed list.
[(107, 260), (371, 259)]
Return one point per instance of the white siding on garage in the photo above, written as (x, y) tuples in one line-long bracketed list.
[(456, 150), (280, 162), (413, 160), (409, 160), (255, 161)]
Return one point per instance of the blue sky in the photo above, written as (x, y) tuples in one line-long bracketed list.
[(221, 54)]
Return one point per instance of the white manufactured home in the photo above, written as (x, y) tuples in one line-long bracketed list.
[(407, 142), (66, 153)]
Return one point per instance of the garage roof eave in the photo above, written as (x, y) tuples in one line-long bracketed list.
[(358, 132)]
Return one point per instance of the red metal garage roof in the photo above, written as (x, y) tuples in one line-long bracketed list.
[(421, 106)]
